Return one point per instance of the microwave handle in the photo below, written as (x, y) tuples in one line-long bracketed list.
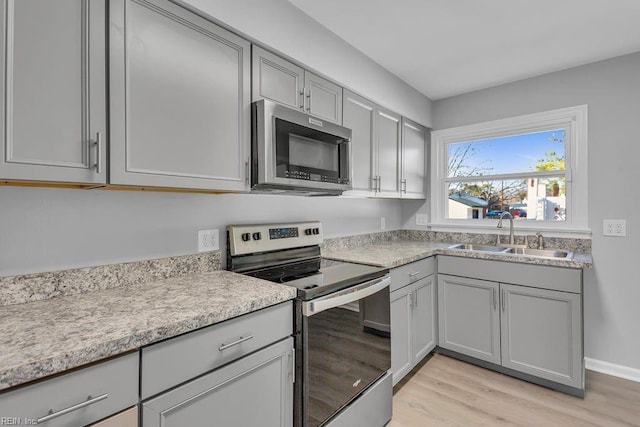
[(355, 293)]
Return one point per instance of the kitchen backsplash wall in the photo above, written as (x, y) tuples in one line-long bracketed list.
[(43, 229), (41, 286)]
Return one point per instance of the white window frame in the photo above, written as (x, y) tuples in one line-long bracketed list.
[(573, 119)]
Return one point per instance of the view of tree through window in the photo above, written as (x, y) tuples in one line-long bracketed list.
[(522, 174)]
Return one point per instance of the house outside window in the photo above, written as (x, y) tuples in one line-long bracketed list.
[(532, 166)]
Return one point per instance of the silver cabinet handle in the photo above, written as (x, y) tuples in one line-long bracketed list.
[(309, 101), (302, 100), (379, 183), (346, 296), (234, 343), (403, 186), (246, 172), (374, 186), (494, 300), (89, 401), (98, 144), (504, 297), (415, 299), (411, 300), (415, 273)]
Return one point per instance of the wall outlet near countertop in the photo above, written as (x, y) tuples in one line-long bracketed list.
[(383, 223), (614, 227), (208, 240), (422, 219)]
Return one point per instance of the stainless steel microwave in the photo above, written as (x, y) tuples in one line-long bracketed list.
[(295, 153)]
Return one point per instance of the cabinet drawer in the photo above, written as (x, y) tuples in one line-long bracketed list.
[(111, 385), (256, 390), (409, 273), (179, 359)]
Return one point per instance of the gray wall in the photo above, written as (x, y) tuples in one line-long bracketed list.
[(52, 229), (280, 25), (612, 91)]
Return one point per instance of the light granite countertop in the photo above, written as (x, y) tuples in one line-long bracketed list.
[(395, 253), (46, 337)]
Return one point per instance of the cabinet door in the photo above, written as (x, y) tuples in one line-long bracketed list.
[(401, 321), (388, 135), (542, 333), (128, 418), (180, 99), (53, 90), (469, 320), (276, 79), (423, 318), (359, 115), (414, 150), (256, 390), (324, 98)]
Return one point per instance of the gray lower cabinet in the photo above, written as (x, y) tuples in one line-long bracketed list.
[(534, 331), (282, 81), (413, 325), (256, 390), (542, 333), (469, 320), (179, 99), (53, 91), (77, 398)]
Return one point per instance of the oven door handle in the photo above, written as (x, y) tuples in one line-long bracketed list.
[(355, 293)]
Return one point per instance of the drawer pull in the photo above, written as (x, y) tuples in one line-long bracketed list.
[(415, 273), (89, 401), (236, 342)]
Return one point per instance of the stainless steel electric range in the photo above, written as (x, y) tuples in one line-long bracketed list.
[(342, 322)]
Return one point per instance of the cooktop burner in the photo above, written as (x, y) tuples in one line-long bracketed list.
[(314, 278)]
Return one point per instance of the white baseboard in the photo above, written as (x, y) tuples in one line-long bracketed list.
[(612, 369)]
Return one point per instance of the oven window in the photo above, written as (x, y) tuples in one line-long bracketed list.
[(312, 153), (348, 348)]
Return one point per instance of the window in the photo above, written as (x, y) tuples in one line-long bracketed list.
[(533, 167)]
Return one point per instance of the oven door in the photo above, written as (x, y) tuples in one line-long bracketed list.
[(346, 348), (294, 150)]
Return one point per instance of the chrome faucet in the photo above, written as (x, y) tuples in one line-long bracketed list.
[(512, 239)]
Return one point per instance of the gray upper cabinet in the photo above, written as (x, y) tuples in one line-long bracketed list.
[(414, 160), (276, 79), (323, 98), (388, 135), (542, 333), (282, 81), (180, 99), (469, 319), (53, 90), (359, 115)]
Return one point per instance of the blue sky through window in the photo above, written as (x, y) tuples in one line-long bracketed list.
[(512, 154)]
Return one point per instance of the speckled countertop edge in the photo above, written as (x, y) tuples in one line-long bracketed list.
[(395, 253), (42, 338)]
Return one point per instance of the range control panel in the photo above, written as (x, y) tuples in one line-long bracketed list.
[(247, 239)]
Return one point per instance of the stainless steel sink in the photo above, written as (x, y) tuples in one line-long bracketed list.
[(541, 253), (510, 250), (483, 248)]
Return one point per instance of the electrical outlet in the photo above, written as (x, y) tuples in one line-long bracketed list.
[(208, 240), (422, 219), (383, 223), (614, 227)]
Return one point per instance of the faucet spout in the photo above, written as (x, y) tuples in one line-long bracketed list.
[(512, 239)]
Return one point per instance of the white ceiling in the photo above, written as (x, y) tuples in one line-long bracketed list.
[(448, 47)]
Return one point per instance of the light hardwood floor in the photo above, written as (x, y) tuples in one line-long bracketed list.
[(447, 392)]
